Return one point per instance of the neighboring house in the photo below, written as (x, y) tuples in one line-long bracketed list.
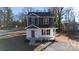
[(40, 26), (71, 26)]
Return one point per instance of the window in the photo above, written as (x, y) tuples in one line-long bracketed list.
[(46, 32), (32, 20), (46, 21), (43, 32)]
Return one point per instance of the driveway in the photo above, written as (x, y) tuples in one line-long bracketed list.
[(63, 43), (57, 46)]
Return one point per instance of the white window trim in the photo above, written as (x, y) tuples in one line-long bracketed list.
[(44, 32)]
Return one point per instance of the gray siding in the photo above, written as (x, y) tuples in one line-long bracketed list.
[(41, 24)]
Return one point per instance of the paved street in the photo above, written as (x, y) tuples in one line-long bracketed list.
[(14, 41), (15, 44)]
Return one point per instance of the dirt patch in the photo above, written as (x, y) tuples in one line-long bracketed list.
[(62, 38), (66, 39)]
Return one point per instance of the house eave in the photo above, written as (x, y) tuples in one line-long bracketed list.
[(31, 25), (33, 14)]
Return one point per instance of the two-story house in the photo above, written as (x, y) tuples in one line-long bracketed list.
[(40, 26)]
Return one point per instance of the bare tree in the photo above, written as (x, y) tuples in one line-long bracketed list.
[(70, 24), (6, 16), (57, 11), (28, 9), (67, 12)]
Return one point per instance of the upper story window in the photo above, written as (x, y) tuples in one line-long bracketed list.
[(32, 20), (45, 20)]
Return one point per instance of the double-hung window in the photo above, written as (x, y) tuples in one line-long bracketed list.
[(46, 32)]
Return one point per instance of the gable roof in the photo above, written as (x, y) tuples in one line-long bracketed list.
[(32, 26), (41, 13), (33, 14)]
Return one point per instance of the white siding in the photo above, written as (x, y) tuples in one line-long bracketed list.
[(38, 33), (28, 33)]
